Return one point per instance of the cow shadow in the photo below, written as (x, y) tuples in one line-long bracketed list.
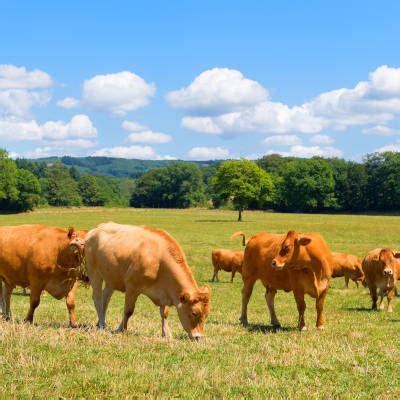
[(359, 309), (261, 328)]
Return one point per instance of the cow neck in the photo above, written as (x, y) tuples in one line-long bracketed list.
[(316, 265)]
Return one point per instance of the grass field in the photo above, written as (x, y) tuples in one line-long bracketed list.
[(357, 356)]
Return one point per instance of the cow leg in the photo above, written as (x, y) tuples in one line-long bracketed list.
[(70, 301), (2, 305), (246, 294), (356, 282), (382, 300), (36, 291), (107, 293), (301, 308), (319, 304), (374, 297), (390, 299), (346, 280), (165, 331), (270, 299), (215, 275), (97, 283), (6, 294), (130, 299), (233, 274)]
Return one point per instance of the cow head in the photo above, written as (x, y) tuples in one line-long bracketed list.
[(289, 250), (388, 264), (193, 310), (77, 240)]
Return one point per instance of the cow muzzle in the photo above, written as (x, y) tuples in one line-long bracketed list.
[(387, 272), (196, 336), (276, 265)]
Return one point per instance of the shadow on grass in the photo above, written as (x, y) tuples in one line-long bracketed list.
[(360, 309), (216, 220), (260, 328)]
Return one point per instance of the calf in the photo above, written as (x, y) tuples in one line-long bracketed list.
[(140, 260), (226, 260), (43, 258), (349, 266), (381, 268)]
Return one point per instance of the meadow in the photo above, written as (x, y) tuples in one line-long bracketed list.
[(357, 356)]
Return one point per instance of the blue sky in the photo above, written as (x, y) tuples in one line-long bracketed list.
[(199, 80)]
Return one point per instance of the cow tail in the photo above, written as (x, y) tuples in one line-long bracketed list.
[(240, 233)]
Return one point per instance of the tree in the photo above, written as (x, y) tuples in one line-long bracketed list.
[(179, 185), (307, 185), (242, 182), (8, 181), (62, 190), (90, 191), (29, 191)]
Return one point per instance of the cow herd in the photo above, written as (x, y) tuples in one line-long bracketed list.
[(140, 260)]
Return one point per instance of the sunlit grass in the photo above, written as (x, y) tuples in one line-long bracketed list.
[(357, 356)]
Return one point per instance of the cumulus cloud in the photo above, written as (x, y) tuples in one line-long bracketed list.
[(282, 140), (321, 139), (212, 108), (117, 93), (68, 102), (309, 151), (139, 152), (13, 77), (80, 126), (380, 130), (142, 134), (218, 89), (395, 147), (207, 153)]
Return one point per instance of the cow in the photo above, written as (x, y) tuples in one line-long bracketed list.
[(381, 268), (349, 266), (141, 260), (43, 258), (226, 260), (261, 249), (311, 251)]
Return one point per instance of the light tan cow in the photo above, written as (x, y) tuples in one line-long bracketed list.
[(226, 260), (44, 258), (349, 266), (140, 260), (381, 267)]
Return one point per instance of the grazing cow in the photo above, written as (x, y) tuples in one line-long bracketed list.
[(227, 260), (43, 258), (381, 267), (257, 265), (349, 266), (140, 260)]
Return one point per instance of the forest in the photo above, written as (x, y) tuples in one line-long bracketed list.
[(273, 182)]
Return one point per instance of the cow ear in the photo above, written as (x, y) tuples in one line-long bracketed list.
[(185, 297), (396, 254), (303, 241), (71, 231), (205, 293), (376, 257)]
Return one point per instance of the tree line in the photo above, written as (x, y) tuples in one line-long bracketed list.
[(273, 182)]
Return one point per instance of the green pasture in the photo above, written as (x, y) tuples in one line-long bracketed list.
[(357, 356)]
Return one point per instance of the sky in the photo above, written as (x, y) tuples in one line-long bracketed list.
[(199, 80)]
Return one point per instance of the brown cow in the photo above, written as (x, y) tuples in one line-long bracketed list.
[(309, 251), (226, 260), (381, 272), (349, 266), (257, 265), (140, 260), (43, 258)]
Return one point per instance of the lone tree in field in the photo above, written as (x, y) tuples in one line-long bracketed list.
[(244, 182)]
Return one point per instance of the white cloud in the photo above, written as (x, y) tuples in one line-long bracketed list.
[(380, 130), (282, 140), (218, 89), (13, 129), (395, 147), (141, 152), (68, 102), (149, 137), (309, 151), (322, 139), (133, 126), (224, 111), (13, 77), (207, 153), (18, 102), (117, 93)]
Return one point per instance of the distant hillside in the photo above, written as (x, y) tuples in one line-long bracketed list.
[(119, 167)]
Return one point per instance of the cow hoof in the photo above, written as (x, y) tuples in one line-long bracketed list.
[(276, 326), (100, 326), (320, 328), (302, 328), (244, 322), (390, 310), (73, 326)]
